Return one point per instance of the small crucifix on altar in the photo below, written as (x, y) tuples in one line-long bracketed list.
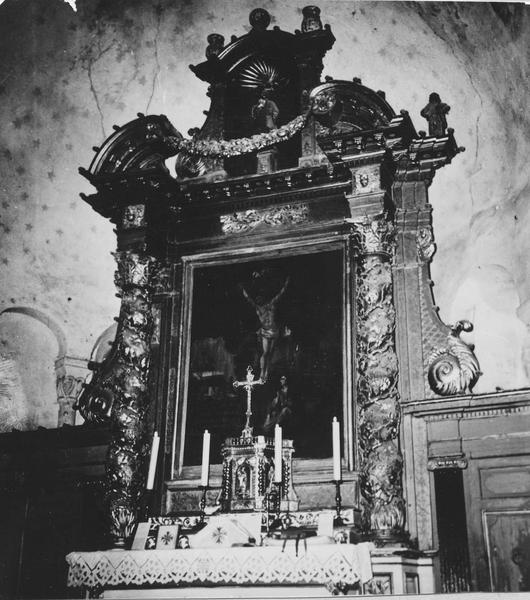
[(249, 385)]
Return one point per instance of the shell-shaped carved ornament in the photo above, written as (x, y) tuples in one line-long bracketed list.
[(454, 369)]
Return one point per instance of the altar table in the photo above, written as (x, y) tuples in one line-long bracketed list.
[(343, 564)]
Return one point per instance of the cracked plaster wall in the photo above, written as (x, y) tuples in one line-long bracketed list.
[(66, 77)]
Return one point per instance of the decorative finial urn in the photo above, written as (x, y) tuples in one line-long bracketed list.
[(260, 19)]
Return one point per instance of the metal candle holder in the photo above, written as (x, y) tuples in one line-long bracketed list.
[(278, 498), (338, 503), (147, 504), (274, 503), (202, 501)]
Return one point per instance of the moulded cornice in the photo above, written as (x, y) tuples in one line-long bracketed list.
[(471, 406)]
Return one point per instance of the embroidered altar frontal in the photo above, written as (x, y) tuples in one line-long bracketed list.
[(319, 565)]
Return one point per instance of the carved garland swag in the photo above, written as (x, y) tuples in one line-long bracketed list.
[(238, 146), (320, 104)]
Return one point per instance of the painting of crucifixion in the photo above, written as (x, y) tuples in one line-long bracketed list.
[(281, 318)]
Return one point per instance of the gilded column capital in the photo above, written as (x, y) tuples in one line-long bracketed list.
[(373, 236), (134, 269)]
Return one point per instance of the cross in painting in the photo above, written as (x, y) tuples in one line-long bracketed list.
[(249, 385)]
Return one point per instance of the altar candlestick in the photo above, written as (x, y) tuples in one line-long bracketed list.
[(205, 471), (337, 475), (277, 454), (152, 461)]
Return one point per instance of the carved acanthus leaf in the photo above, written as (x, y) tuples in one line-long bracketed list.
[(425, 244), (133, 269), (69, 386), (247, 220)]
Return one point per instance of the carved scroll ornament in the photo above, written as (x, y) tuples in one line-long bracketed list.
[(454, 369)]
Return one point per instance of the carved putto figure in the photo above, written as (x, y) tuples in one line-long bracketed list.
[(435, 113)]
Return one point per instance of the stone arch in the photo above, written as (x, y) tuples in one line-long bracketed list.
[(30, 345), (45, 320)]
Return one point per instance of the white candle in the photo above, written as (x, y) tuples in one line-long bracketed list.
[(337, 475), (205, 471), (152, 461), (277, 454)]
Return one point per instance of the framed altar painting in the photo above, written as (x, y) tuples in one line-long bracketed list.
[(284, 317)]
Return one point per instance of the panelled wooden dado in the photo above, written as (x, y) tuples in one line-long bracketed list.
[(51, 502), (487, 439)]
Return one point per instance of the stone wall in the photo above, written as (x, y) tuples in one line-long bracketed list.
[(66, 77)]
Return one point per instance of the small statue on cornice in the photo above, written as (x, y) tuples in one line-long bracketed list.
[(215, 45), (435, 113), (265, 112), (311, 20)]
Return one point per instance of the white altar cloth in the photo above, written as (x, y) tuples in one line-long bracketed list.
[(337, 563)]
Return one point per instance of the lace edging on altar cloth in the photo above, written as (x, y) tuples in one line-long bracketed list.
[(346, 563)]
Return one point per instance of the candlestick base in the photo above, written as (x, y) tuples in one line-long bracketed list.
[(274, 505), (147, 504), (202, 502), (337, 520)]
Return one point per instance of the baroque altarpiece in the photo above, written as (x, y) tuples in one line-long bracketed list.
[(287, 241)]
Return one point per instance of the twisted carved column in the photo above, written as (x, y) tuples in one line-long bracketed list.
[(382, 503), (126, 380)]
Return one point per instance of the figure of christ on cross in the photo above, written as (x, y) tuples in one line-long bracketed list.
[(269, 332), (248, 384)]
